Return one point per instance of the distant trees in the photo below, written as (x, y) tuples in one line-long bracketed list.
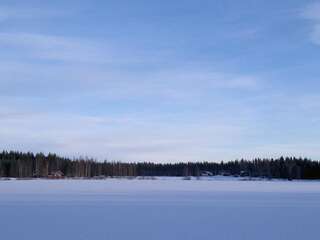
[(26, 165)]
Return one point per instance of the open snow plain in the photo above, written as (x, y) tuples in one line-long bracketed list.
[(159, 209)]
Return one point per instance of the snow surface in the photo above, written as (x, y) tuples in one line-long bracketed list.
[(167, 208)]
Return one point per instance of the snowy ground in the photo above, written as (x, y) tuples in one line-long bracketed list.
[(159, 209)]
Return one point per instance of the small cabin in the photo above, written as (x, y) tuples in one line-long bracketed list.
[(56, 175), (244, 174), (206, 174)]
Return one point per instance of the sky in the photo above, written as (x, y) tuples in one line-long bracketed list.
[(161, 81)]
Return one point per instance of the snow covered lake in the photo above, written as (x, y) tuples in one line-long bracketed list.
[(159, 209)]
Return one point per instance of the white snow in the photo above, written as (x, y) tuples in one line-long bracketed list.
[(166, 208)]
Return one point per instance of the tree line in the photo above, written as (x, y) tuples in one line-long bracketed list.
[(29, 165)]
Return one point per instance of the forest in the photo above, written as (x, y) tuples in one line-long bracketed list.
[(14, 164)]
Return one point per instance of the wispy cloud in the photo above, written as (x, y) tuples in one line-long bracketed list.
[(48, 47), (184, 85), (43, 47), (119, 138), (190, 83), (131, 92), (312, 13), (9, 13), (315, 36), (144, 138)]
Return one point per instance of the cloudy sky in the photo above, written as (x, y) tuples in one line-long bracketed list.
[(162, 80)]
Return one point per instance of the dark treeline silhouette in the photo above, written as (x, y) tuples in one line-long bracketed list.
[(28, 165)]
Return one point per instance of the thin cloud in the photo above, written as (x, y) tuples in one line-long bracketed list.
[(312, 13), (49, 47), (9, 13), (44, 47), (95, 81), (315, 35), (120, 138)]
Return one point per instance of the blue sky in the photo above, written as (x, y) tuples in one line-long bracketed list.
[(161, 80)]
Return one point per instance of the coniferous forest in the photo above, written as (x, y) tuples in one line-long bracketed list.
[(29, 165)]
